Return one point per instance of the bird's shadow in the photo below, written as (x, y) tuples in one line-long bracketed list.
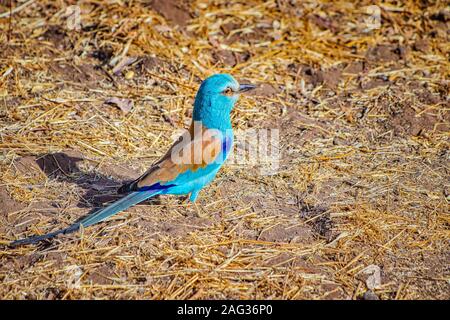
[(98, 189)]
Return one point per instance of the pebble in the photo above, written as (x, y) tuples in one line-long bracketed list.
[(370, 295)]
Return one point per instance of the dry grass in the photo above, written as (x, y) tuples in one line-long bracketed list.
[(364, 138)]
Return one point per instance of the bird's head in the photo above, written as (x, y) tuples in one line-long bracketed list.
[(217, 96)]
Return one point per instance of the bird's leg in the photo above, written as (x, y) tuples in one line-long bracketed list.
[(191, 197), (194, 196), (191, 208)]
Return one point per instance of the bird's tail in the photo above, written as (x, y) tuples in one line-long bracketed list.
[(116, 207)]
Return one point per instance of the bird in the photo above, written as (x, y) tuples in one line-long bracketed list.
[(190, 164)]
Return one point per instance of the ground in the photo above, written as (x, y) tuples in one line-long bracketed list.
[(91, 95)]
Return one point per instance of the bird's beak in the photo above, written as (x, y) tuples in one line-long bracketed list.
[(246, 87)]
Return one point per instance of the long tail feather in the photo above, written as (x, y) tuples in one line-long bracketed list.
[(116, 207), (119, 205)]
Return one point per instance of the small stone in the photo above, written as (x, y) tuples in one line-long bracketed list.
[(129, 75), (370, 295), (372, 276), (276, 24)]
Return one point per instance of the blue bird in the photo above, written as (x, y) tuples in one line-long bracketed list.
[(190, 164)]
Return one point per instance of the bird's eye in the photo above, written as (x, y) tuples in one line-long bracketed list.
[(227, 92)]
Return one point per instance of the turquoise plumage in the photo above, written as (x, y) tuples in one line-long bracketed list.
[(190, 164)]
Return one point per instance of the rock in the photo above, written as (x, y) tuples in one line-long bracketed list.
[(369, 295), (372, 276)]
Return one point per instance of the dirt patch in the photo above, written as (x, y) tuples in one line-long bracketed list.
[(102, 275), (405, 120), (324, 22), (57, 36), (153, 64), (356, 67), (232, 34), (8, 204), (67, 163), (225, 57), (83, 74), (318, 218), (422, 45), (374, 83), (175, 11), (386, 53), (56, 164), (314, 76), (229, 58), (302, 129), (181, 227), (97, 184), (332, 77), (119, 172), (280, 233), (27, 166), (265, 90)]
